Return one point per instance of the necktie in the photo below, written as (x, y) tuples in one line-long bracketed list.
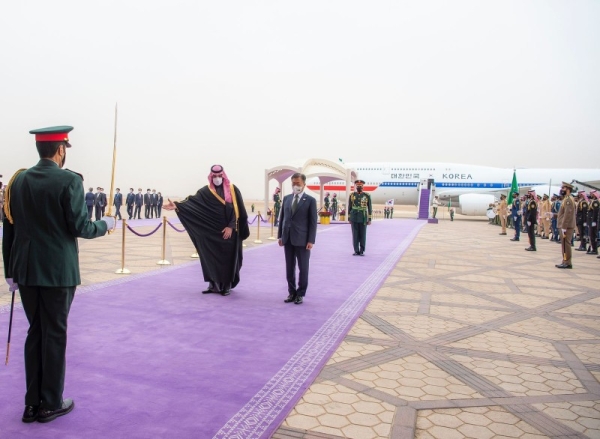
[(295, 203)]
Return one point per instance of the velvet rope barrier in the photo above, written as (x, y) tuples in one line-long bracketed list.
[(175, 228), (143, 235)]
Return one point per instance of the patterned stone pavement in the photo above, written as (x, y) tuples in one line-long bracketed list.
[(469, 337)]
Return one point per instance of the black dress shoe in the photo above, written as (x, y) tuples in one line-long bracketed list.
[(361, 254), (530, 249), (30, 414), (290, 298), (46, 415), (225, 292), (514, 239), (563, 265), (501, 233), (298, 300), (593, 252), (209, 291), (580, 249), (355, 254)]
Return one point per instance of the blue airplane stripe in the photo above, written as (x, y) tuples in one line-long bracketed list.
[(458, 185)]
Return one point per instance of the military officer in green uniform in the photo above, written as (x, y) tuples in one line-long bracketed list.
[(326, 202), (45, 214), (277, 205), (360, 212), (334, 207)]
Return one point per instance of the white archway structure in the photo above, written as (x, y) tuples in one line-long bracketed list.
[(325, 170)]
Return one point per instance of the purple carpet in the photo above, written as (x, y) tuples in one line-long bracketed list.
[(150, 356)]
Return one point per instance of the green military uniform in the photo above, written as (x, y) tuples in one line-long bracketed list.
[(277, 206), (334, 206), (326, 202), (46, 213), (360, 211)]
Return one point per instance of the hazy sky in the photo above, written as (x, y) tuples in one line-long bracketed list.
[(253, 84)]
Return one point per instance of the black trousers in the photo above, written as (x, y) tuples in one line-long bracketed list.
[(593, 236), (90, 211), (148, 211), (47, 310), (531, 234), (359, 237), (129, 210), (581, 231), (137, 211), (118, 212), (300, 255), (98, 210)]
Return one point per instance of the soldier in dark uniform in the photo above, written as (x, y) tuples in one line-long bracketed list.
[(277, 205), (44, 266), (334, 206), (581, 219), (554, 210), (531, 219), (360, 211), (592, 222), (326, 202), (515, 211)]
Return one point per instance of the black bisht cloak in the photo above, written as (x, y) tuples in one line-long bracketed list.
[(204, 217)]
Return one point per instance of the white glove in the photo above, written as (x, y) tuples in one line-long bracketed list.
[(564, 231), (593, 224), (514, 218), (12, 286), (529, 223), (584, 224), (110, 222)]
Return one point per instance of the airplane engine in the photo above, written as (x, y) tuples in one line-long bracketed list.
[(475, 204)]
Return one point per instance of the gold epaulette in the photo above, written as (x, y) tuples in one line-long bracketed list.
[(7, 195)]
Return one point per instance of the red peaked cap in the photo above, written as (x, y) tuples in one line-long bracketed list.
[(53, 134)]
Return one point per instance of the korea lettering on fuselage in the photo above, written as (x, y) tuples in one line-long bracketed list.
[(457, 177)]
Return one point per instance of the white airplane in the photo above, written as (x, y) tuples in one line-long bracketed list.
[(469, 188)]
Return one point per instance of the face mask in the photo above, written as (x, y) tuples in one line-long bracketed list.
[(359, 189), (297, 189), (217, 181)]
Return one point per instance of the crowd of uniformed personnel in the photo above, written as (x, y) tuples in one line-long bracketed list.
[(562, 218)]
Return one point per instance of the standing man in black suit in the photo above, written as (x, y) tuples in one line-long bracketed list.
[(90, 200), (139, 201), (159, 204), (153, 207), (148, 204), (100, 203), (118, 202), (129, 202), (297, 232)]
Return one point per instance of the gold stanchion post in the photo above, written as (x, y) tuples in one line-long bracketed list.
[(257, 240), (272, 237), (123, 270), (164, 261)]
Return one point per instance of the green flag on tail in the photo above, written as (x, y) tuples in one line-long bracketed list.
[(513, 188)]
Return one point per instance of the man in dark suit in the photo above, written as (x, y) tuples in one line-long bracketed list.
[(118, 202), (44, 266), (159, 204), (297, 232), (129, 202), (139, 202), (153, 207), (90, 200), (100, 203), (148, 204)]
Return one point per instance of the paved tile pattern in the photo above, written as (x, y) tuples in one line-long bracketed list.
[(470, 337)]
